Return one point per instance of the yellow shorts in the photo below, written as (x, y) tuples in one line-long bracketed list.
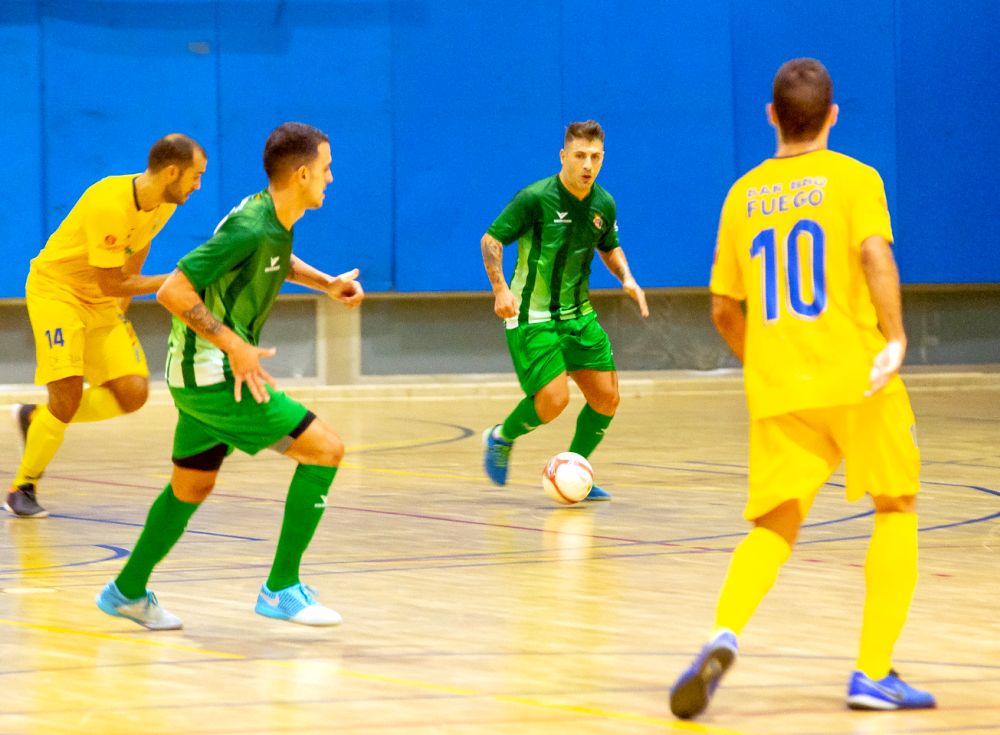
[(76, 339), (793, 455)]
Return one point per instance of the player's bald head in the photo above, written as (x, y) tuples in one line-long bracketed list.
[(174, 149)]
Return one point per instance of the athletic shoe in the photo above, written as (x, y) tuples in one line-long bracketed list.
[(296, 604), (21, 413), (597, 493), (890, 692), (695, 687), (145, 610), (496, 456), (22, 503)]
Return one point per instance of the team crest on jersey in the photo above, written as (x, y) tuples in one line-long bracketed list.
[(110, 240), (598, 221)]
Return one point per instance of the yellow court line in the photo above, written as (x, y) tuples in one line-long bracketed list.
[(122, 638), (676, 725)]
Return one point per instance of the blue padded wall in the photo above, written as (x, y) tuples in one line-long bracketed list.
[(440, 111)]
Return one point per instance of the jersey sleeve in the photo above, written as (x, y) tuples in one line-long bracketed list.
[(727, 278), (515, 219), (233, 242), (870, 209), (609, 238), (106, 230)]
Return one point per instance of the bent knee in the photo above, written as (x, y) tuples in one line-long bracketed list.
[(131, 394), (550, 406), (607, 404)]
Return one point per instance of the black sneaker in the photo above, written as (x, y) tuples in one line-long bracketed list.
[(21, 502), (22, 413)]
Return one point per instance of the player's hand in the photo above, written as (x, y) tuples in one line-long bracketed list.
[(347, 289), (886, 364), (244, 361), (505, 305), (637, 295)]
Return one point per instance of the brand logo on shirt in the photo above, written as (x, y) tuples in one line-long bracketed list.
[(275, 265), (110, 240), (562, 218)]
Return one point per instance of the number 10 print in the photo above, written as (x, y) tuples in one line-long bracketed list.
[(765, 245)]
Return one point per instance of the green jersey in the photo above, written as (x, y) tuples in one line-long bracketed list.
[(238, 274), (556, 235)]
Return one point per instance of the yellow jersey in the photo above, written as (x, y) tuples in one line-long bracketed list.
[(104, 228), (789, 245)]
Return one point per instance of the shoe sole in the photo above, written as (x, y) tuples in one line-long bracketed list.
[(113, 612), (39, 514), (690, 698), (268, 612)]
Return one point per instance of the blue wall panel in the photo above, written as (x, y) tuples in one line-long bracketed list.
[(949, 141), (476, 99), (326, 64), (658, 78), (21, 227), (117, 77), (439, 112), (854, 39)]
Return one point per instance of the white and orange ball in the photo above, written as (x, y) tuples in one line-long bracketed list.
[(567, 478)]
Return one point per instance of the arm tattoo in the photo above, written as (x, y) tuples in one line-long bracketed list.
[(201, 320), (493, 259)]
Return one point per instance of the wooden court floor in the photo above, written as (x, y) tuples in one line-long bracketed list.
[(474, 609)]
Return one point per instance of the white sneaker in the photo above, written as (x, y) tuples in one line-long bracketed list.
[(145, 611), (296, 604)]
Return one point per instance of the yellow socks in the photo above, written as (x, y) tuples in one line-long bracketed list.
[(752, 571), (44, 440), (890, 578), (97, 404)]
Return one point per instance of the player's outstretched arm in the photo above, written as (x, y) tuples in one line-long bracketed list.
[(179, 297), (730, 322), (344, 288), (504, 303), (882, 276), (618, 265), (127, 281)]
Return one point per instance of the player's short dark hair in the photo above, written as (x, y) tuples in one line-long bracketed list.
[(802, 95), (175, 148), (290, 145), (586, 130)]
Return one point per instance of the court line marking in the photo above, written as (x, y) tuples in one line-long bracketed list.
[(407, 683)]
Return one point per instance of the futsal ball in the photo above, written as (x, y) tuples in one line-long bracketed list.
[(567, 478)]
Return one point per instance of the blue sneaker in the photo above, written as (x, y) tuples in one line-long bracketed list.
[(496, 456), (695, 687), (890, 692), (297, 604), (597, 493), (145, 610)]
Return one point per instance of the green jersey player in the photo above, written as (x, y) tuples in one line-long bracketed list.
[(552, 330), (220, 296)]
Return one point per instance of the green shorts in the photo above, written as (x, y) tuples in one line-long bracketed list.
[(542, 351), (210, 416)]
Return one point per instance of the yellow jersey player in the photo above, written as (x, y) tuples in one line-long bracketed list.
[(77, 291), (805, 244)]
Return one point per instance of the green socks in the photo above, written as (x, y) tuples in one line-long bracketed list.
[(522, 420), (590, 427), (303, 510), (165, 524)]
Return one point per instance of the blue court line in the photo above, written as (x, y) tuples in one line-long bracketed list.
[(141, 525), (117, 552)]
